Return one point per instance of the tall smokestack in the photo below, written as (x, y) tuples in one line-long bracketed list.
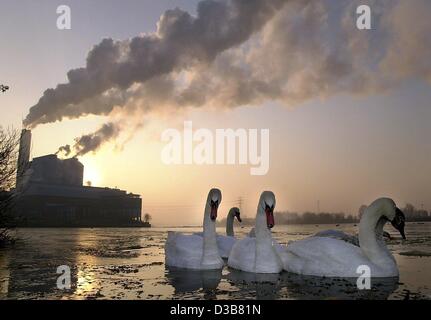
[(23, 157)]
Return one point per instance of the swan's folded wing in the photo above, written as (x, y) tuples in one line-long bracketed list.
[(225, 245), (320, 256), (282, 252), (340, 235), (183, 251), (242, 257)]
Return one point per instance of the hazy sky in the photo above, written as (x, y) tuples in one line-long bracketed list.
[(346, 125)]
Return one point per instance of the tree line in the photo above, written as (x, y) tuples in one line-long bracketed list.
[(285, 217)]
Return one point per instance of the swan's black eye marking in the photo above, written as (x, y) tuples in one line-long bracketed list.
[(214, 203), (238, 215), (267, 207), (400, 215)]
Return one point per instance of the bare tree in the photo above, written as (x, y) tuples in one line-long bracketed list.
[(409, 209), (3, 88), (147, 218), (9, 142)]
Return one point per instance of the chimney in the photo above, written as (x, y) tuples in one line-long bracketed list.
[(23, 157)]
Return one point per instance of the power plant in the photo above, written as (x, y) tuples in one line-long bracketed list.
[(50, 193)]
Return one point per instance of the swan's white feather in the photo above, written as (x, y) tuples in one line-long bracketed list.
[(184, 251), (320, 256), (243, 257), (340, 235), (224, 244)]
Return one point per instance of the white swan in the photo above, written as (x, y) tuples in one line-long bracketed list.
[(225, 243), (233, 213), (193, 251), (318, 256), (258, 254)]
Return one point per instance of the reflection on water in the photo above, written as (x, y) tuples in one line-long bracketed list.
[(306, 287), (269, 287), (186, 281), (4, 273), (129, 264), (265, 286)]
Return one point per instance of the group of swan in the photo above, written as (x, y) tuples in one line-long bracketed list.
[(326, 254)]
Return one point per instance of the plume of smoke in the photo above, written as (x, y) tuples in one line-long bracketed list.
[(64, 150), (93, 141), (180, 40), (245, 52)]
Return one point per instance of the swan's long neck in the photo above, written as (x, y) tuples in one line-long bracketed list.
[(210, 250), (264, 243), (261, 229), (371, 239), (229, 223)]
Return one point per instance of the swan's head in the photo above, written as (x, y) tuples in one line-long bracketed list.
[(387, 209), (214, 200), (237, 214), (267, 205)]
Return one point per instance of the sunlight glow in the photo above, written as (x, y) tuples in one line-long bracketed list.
[(91, 173)]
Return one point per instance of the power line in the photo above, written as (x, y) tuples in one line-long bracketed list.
[(240, 200)]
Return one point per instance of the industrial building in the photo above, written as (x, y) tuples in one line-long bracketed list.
[(50, 193)]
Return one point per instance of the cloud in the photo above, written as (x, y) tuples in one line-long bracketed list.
[(246, 52), (180, 40)]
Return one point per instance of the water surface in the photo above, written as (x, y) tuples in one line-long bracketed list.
[(129, 264)]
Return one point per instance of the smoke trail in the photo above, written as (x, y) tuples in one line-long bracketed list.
[(93, 141), (180, 40), (246, 52), (64, 150)]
